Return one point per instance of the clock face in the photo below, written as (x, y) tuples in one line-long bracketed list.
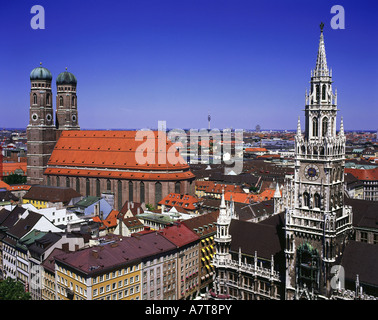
[(311, 172)]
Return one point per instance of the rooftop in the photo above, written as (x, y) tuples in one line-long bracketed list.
[(119, 154), (51, 194)]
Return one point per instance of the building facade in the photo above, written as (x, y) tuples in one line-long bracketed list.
[(317, 223), (41, 129)]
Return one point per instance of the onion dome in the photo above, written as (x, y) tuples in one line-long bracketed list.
[(66, 78), (40, 73)]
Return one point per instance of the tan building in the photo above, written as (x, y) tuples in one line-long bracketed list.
[(188, 257)]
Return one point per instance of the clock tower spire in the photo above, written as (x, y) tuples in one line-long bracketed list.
[(317, 223)]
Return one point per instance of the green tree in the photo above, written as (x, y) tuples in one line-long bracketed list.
[(14, 179), (11, 289), (150, 207)]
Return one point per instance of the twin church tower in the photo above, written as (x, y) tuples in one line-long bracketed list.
[(42, 131)]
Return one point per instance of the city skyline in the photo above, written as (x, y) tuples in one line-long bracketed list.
[(138, 63)]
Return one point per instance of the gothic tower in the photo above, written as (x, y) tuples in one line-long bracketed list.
[(317, 223), (222, 245), (41, 129), (66, 103)]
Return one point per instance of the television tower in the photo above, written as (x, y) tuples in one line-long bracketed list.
[(208, 120)]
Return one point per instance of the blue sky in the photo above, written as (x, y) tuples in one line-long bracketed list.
[(137, 62)]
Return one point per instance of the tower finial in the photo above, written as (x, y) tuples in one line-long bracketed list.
[(223, 203), (299, 130), (341, 126), (321, 68), (40, 63)]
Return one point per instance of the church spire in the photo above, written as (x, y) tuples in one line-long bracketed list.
[(321, 68)]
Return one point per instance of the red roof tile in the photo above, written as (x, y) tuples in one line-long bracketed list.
[(179, 234), (185, 201), (117, 154), (364, 174)]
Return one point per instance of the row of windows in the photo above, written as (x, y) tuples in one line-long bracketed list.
[(48, 100), (315, 127), (35, 99), (115, 274), (158, 189), (67, 88), (40, 85), (73, 99), (121, 294)]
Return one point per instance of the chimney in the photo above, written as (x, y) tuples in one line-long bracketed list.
[(66, 247), (94, 254)]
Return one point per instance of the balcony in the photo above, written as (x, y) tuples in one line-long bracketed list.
[(248, 268)]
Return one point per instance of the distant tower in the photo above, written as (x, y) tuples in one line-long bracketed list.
[(208, 120), (41, 130), (258, 128), (66, 103)]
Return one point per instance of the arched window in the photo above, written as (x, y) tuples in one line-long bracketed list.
[(73, 101), (67, 182), (98, 191), (57, 181), (119, 191), (317, 93), (324, 92), (142, 196), (177, 187), (306, 199), (61, 101), (48, 180), (48, 98), (158, 190), (108, 185), (315, 127), (34, 98), (324, 126), (317, 200), (131, 191), (87, 187), (77, 184)]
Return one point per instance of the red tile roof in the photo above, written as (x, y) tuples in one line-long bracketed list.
[(122, 251), (115, 154), (364, 174), (185, 201), (256, 150), (179, 234), (11, 167), (241, 197), (4, 185), (214, 187)]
